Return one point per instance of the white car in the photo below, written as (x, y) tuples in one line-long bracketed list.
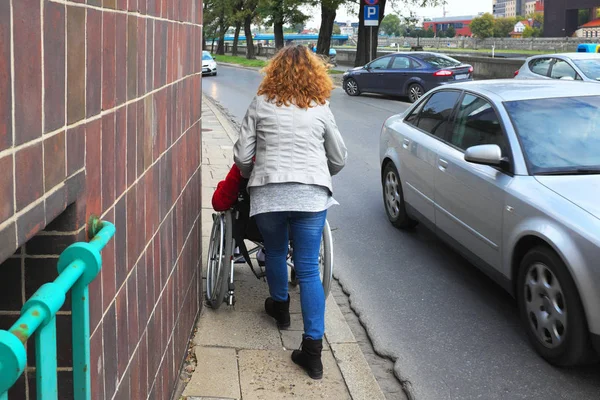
[(209, 65), (568, 66)]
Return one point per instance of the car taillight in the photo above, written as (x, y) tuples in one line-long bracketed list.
[(516, 72), (443, 72), (471, 70)]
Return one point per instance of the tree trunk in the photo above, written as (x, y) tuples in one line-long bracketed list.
[(367, 39), (327, 19), (221, 45), (250, 54), (236, 38), (278, 31)]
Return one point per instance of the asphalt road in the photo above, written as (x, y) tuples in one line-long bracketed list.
[(453, 332)]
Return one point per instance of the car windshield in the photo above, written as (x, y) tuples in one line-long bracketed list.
[(590, 68), (559, 135), (206, 57), (440, 61)]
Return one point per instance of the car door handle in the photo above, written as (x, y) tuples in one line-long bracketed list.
[(443, 164), (405, 143)]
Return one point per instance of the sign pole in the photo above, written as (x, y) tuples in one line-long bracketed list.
[(371, 45)]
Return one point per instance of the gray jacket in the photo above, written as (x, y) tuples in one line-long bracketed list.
[(290, 144)]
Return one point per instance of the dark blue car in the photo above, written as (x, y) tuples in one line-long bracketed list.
[(406, 74)]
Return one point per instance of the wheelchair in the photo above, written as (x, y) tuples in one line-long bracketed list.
[(234, 228)]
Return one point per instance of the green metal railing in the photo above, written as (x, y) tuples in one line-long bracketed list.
[(78, 266)]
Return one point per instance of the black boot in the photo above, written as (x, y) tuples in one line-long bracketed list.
[(280, 310), (309, 357)]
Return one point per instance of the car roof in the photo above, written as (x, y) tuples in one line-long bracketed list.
[(572, 56), (516, 89), (417, 53)]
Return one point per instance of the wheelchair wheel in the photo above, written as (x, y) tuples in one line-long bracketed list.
[(219, 259), (325, 261)]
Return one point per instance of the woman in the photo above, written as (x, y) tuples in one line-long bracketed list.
[(291, 131)]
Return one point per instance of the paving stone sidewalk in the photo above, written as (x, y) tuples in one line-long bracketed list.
[(240, 353)]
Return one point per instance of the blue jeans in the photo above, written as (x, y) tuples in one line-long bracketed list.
[(306, 229)]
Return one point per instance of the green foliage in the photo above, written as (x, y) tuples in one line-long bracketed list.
[(336, 29), (483, 27), (504, 26), (530, 32), (429, 33), (450, 32), (391, 25)]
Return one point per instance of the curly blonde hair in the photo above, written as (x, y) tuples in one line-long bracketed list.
[(296, 76)]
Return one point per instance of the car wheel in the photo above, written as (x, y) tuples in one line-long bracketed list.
[(393, 198), (351, 87), (214, 73), (415, 92), (551, 309)]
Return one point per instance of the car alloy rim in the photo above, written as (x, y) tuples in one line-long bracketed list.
[(392, 196), (415, 93), (545, 305), (352, 87)]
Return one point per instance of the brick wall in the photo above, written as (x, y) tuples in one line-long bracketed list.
[(100, 106)]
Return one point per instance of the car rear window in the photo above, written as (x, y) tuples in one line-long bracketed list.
[(590, 68), (440, 61)]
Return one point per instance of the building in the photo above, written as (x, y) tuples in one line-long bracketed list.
[(532, 7), (590, 30), (561, 17), (460, 24), (96, 118), (520, 28), (507, 8)]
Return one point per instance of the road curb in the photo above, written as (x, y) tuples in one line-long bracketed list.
[(353, 365)]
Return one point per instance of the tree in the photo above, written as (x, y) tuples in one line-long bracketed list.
[(281, 12), (503, 27), (368, 38), (430, 33), (483, 27), (530, 32), (450, 32), (390, 25), (336, 29), (249, 12), (328, 14)]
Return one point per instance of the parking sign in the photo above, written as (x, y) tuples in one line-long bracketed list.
[(372, 15)]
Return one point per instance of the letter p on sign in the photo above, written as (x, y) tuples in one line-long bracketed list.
[(372, 15)]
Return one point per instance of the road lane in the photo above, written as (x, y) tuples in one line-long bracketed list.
[(454, 333)]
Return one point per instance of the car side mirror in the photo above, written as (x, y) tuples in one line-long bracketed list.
[(485, 154)]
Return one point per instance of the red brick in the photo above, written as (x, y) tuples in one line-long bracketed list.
[(151, 7), (141, 128), (5, 78), (109, 4), (122, 5), (143, 351), (121, 59), (132, 68), (93, 167), (28, 70), (30, 223), (132, 296), (199, 10), (108, 160), (149, 54), (132, 228), (122, 331), (150, 299), (28, 177), (97, 364), (54, 65), (131, 143), (161, 119), (149, 133), (132, 5), (135, 378), (94, 62), (6, 188), (121, 151), (54, 160), (121, 242), (95, 2), (124, 390), (109, 69), (75, 64), (108, 273), (157, 270), (109, 330), (141, 56), (75, 149), (140, 216), (143, 6), (142, 295)]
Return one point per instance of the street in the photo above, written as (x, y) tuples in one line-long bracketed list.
[(453, 332)]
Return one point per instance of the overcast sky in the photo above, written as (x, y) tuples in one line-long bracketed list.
[(453, 8)]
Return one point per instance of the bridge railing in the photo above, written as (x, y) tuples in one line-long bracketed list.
[(78, 266)]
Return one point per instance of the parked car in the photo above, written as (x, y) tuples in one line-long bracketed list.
[(209, 65), (568, 66), (409, 74), (508, 173)]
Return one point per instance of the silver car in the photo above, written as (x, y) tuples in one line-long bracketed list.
[(508, 173), (568, 66)]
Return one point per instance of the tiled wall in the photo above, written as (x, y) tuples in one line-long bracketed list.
[(100, 106)]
